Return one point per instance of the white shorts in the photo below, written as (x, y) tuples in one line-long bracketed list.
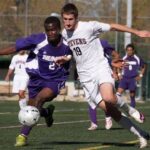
[(91, 88), (19, 83)]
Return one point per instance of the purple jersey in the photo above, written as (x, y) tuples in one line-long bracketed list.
[(108, 49), (134, 64), (45, 55)]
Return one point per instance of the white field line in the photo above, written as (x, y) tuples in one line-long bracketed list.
[(68, 110), (61, 110), (57, 123)]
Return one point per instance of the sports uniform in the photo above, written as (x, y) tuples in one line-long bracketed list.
[(21, 78), (48, 74), (130, 72), (93, 68)]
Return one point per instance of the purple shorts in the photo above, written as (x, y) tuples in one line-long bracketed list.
[(128, 83), (37, 84)]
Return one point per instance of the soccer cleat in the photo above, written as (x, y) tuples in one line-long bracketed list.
[(139, 117), (92, 127), (108, 123), (143, 140), (49, 119), (21, 141)]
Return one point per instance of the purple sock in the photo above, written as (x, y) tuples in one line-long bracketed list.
[(132, 103), (93, 115), (25, 130)]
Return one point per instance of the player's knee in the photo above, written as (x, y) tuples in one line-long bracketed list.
[(110, 99)]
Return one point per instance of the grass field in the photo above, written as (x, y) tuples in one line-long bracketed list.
[(69, 131)]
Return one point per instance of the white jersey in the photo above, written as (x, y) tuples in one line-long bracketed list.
[(18, 65), (87, 50)]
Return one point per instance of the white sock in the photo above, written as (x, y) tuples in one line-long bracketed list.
[(126, 123), (123, 105), (22, 103)]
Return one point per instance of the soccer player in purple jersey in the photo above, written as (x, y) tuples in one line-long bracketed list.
[(131, 73), (93, 68), (50, 77)]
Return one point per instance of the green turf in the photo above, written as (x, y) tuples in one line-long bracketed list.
[(69, 131)]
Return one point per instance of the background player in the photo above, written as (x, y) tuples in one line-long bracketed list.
[(50, 77), (21, 78), (93, 69), (131, 73)]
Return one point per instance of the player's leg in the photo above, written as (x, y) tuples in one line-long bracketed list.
[(108, 121), (93, 118), (46, 94), (132, 99), (134, 113), (22, 99), (21, 139), (38, 102), (125, 122), (124, 84), (22, 86), (132, 88)]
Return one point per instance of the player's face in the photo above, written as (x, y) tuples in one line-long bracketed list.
[(52, 32), (69, 21), (22, 52), (130, 51)]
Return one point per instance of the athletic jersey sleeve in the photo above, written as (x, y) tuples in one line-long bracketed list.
[(13, 63), (28, 43), (98, 27), (69, 52), (108, 49)]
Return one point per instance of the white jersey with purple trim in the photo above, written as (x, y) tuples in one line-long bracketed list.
[(87, 50), (18, 65)]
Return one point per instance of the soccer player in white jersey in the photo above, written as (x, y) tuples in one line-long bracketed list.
[(21, 78), (93, 69)]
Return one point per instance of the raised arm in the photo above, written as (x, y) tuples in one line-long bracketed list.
[(123, 28), (8, 50)]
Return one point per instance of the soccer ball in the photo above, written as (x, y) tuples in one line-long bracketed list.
[(29, 116)]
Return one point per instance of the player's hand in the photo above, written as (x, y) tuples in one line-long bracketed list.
[(143, 33), (62, 59), (115, 76), (137, 78), (118, 63)]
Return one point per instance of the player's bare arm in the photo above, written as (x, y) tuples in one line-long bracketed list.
[(142, 71), (123, 28), (8, 50), (9, 73), (62, 59)]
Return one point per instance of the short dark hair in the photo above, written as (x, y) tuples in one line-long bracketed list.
[(54, 20), (70, 8), (130, 45)]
